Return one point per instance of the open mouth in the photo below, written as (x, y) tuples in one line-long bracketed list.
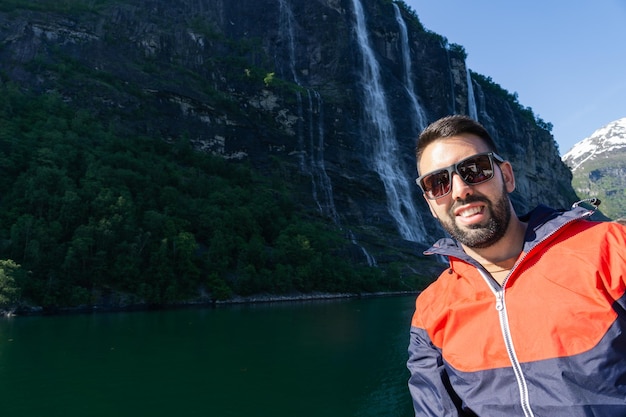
[(470, 211)]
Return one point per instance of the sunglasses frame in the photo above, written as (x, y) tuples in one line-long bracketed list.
[(454, 168)]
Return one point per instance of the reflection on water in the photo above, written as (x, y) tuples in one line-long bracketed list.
[(324, 358)]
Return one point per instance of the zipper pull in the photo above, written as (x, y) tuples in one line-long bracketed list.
[(500, 300)]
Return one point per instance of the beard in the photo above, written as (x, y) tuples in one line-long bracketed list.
[(481, 235)]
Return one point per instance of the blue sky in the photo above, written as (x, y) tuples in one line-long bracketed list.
[(565, 59)]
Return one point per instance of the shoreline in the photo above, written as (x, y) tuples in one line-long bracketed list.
[(272, 298), (257, 299)]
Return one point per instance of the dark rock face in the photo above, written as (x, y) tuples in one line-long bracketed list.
[(287, 81)]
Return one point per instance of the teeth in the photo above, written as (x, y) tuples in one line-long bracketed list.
[(470, 211)]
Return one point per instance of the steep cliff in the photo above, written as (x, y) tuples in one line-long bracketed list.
[(330, 93)]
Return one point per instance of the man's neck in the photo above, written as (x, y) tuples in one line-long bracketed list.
[(500, 257)]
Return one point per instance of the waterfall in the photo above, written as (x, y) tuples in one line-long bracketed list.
[(419, 117), (385, 148), (286, 24), (314, 165), (322, 187), (370, 259), (453, 93), (471, 100)]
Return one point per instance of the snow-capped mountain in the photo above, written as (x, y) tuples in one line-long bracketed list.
[(598, 165), (603, 141)]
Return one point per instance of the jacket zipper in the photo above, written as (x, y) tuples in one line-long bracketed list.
[(515, 364), (508, 342), (504, 321)]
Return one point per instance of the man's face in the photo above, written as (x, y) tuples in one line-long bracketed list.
[(475, 215)]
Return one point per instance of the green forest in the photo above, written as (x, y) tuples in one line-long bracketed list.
[(89, 212)]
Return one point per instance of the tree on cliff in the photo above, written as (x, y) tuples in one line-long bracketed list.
[(9, 291)]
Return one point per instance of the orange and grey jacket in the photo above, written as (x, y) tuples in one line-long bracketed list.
[(551, 341)]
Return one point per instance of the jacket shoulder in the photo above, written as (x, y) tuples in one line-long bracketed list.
[(454, 285)]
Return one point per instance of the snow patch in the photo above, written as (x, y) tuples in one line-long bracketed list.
[(608, 138)]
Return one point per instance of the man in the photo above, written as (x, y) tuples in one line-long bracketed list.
[(530, 317)]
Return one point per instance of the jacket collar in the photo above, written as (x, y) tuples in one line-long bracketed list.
[(542, 222)]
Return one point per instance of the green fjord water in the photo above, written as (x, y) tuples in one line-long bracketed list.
[(339, 358)]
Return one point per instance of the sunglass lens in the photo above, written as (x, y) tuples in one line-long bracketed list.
[(476, 170), (437, 184)]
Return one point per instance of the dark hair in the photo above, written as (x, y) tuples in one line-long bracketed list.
[(449, 126)]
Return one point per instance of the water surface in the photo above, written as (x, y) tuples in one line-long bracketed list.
[(335, 358)]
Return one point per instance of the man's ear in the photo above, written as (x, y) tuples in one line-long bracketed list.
[(508, 176)]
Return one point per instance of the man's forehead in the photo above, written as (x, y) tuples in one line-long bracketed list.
[(445, 152)]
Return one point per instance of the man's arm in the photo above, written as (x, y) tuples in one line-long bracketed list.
[(429, 385)]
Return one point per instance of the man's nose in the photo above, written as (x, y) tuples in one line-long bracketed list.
[(459, 188)]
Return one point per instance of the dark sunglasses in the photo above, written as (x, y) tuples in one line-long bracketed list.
[(473, 170)]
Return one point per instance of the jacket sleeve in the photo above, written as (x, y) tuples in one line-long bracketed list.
[(429, 384), (615, 269)]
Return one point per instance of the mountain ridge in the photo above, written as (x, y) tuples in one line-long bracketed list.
[(607, 138), (598, 165)]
